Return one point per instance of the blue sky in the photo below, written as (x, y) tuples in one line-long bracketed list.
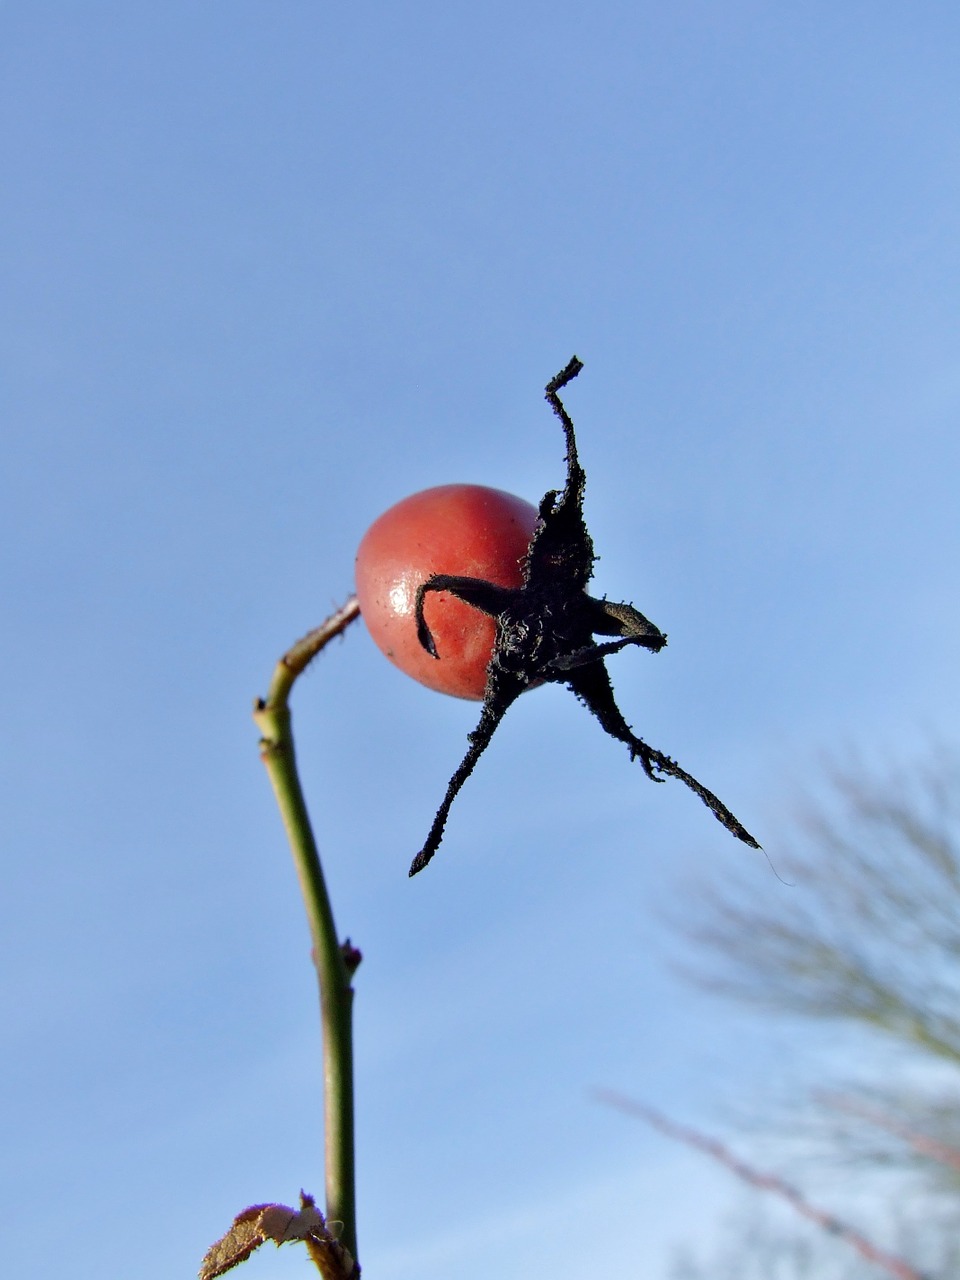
[(268, 268)]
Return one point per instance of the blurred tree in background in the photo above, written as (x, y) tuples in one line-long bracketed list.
[(759, 1245), (866, 943)]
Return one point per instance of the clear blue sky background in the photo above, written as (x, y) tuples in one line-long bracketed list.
[(267, 268)]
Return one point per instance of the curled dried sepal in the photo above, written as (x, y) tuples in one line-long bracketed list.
[(281, 1224)]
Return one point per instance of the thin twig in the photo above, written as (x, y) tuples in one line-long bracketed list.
[(335, 963)]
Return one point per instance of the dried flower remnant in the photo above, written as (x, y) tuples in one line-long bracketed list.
[(545, 632)]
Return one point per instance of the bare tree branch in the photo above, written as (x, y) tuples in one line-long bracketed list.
[(864, 1246)]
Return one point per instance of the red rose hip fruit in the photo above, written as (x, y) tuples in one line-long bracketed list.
[(463, 529)]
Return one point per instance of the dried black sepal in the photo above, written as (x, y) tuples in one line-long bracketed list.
[(545, 632)]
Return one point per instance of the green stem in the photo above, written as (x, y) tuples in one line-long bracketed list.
[(334, 963)]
